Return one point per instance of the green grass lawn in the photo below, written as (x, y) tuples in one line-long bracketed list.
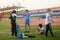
[(5, 33)]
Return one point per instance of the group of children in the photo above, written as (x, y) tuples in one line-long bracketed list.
[(40, 30), (15, 27)]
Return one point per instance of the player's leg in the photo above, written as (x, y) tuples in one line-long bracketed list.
[(12, 30), (47, 28), (28, 25), (51, 30), (25, 27), (15, 32), (15, 29), (40, 32)]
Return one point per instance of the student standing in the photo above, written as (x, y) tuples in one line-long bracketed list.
[(27, 21), (13, 23)]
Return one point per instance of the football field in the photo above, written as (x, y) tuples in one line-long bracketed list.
[(5, 33)]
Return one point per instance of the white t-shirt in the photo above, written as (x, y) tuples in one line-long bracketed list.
[(42, 28), (14, 15), (48, 19)]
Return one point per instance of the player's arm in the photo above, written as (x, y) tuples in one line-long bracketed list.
[(52, 20), (24, 15), (9, 17)]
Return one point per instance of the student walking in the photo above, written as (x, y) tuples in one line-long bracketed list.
[(48, 22)]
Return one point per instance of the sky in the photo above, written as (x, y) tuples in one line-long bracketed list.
[(30, 4)]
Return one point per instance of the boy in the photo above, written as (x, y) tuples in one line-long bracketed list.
[(27, 21), (13, 23), (40, 30), (48, 22)]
